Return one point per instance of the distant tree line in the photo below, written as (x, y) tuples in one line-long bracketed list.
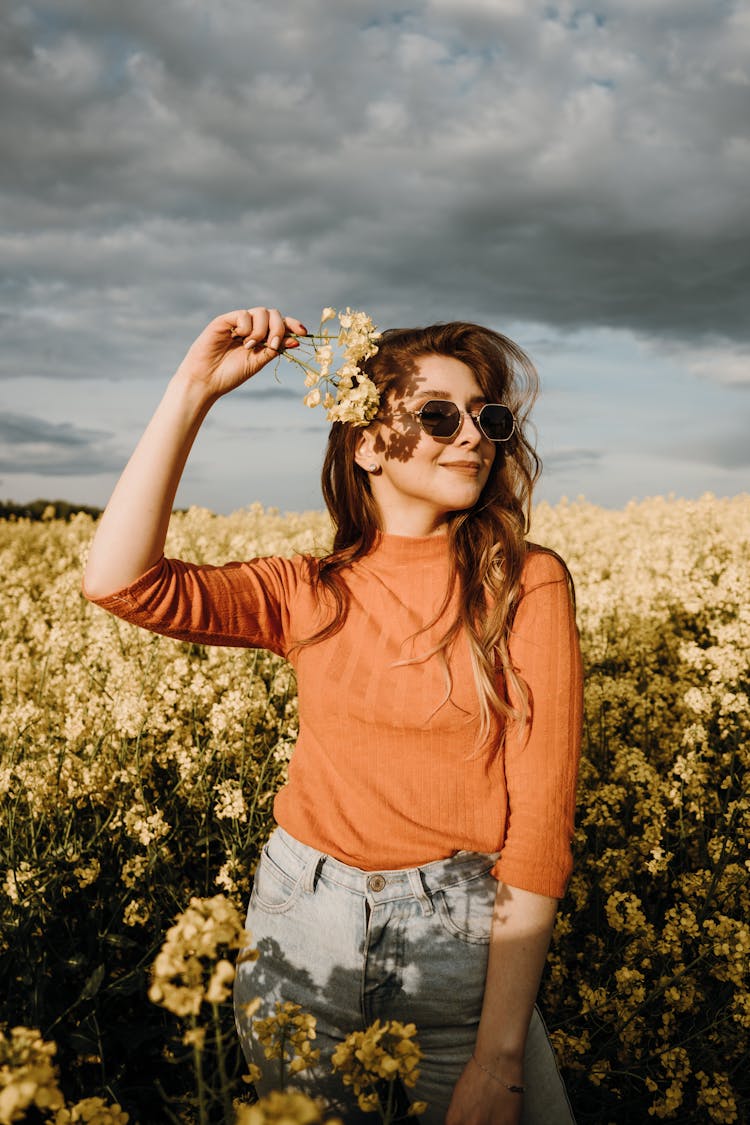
[(45, 509)]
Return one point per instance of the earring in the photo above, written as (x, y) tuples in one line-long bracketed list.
[(372, 468)]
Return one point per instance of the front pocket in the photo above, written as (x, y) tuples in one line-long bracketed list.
[(465, 909), (273, 890)]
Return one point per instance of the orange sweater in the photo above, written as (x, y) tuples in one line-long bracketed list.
[(385, 774)]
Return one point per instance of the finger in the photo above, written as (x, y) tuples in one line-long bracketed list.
[(276, 330), (258, 319), (295, 326), (241, 321), (293, 329)]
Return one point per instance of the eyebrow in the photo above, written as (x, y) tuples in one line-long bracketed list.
[(446, 395)]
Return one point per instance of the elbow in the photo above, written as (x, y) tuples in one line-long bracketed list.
[(93, 590)]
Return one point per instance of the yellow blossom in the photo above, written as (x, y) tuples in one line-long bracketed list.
[(92, 1111), (188, 970), (287, 1108), (383, 1051), (28, 1077), (286, 1035)]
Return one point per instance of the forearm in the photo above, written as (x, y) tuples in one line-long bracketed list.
[(131, 533), (521, 931), (228, 352)]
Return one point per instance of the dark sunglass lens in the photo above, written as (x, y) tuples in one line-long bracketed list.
[(439, 419), (496, 421)]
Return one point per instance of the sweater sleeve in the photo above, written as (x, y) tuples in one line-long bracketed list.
[(541, 758), (240, 604)]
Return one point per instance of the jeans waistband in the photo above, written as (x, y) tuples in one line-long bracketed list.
[(382, 884)]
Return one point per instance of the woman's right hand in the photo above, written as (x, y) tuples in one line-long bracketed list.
[(234, 347)]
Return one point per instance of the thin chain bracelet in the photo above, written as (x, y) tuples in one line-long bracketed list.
[(511, 1086)]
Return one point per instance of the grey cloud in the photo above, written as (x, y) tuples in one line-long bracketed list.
[(727, 450), (32, 445), (272, 391), (568, 166), (51, 463), (563, 460), (23, 429)]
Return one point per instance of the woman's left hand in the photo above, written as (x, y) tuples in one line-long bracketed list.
[(479, 1100)]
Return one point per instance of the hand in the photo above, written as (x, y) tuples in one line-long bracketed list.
[(478, 1100), (235, 346)]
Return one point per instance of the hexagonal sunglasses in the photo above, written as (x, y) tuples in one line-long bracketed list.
[(441, 418)]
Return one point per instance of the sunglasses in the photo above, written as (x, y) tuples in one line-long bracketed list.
[(442, 419)]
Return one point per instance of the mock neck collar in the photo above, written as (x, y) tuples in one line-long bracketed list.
[(410, 548)]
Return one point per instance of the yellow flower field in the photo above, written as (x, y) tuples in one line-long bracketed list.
[(137, 772)]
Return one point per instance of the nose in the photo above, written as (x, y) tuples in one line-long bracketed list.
[(468, 432)]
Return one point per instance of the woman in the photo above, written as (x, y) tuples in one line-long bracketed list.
[(424, 834)]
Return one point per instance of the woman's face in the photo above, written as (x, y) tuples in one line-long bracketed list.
[(420, 479)]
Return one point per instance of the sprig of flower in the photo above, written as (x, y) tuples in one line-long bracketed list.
[(381, 1053), (346, 394), (289, 1107), (29, 1085), (28, 1076), (188, 970), (287, 1036)]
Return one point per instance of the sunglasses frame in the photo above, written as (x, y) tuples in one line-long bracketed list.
[(476, 417)]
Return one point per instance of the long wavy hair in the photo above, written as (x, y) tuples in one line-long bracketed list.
[(487, 544)]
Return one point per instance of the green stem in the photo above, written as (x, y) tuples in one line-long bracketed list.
[(199, 1080), (226, 1094), (282, 1060), (389, 1103)]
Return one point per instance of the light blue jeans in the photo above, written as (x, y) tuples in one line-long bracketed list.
[(353, 946)]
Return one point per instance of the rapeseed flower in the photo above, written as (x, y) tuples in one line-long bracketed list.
[(28, 1076), (287, 1036), (190, 968), (381, 1053), (92, 1111), (285, 1108)]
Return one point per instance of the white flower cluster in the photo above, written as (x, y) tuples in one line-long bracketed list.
[(346, 394)]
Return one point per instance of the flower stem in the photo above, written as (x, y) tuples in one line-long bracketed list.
[(200, 1083), (226, 1096)]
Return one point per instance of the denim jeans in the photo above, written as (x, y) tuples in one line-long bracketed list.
[(353, 946)]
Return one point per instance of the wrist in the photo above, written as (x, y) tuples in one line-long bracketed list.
[(512, 1079), (190, 394)]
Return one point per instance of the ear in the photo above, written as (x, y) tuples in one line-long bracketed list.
[(364, 454)]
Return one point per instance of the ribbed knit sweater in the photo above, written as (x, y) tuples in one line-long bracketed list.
[(387, 772)]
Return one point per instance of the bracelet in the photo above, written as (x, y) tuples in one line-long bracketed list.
[(511, 1086)]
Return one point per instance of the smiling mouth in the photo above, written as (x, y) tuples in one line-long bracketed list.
[(471, 467)]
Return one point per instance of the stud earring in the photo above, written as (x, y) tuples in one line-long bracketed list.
[(373, 468)]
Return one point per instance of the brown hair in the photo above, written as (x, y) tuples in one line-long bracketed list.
[(487, 542)]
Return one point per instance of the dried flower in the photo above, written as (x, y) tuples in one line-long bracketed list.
[(346, 394)]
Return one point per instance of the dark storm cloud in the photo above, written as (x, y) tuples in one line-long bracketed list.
[(22, 429), (33, 445), (571, 459), (574, 166)]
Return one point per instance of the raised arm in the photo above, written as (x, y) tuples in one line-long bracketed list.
[(131, 534)]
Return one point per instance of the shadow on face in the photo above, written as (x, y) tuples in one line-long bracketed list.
[(398, 435)]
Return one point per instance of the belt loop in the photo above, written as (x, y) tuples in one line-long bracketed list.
[(311, 872), (419, 891)]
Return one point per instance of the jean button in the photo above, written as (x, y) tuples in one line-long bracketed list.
[(375, 882)]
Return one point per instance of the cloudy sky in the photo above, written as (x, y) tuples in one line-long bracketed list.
[(575, 175)]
